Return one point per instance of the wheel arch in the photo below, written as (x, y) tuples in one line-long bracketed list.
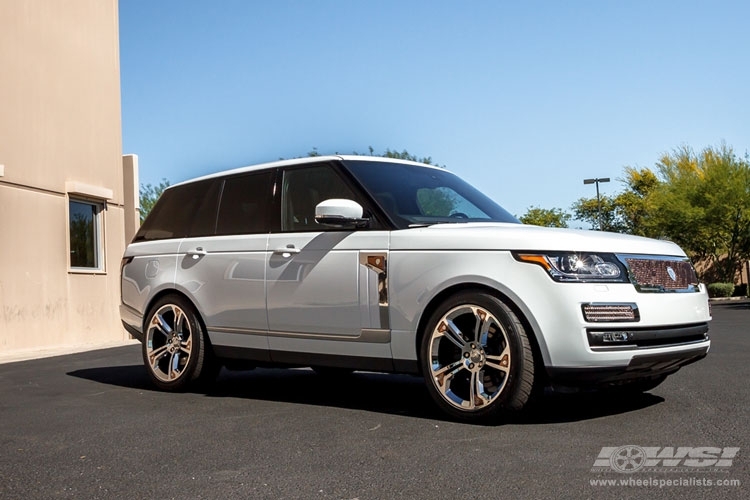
[(538, 345), (173, 291)]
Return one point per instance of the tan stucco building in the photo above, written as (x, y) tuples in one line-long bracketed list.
[(64, 193)]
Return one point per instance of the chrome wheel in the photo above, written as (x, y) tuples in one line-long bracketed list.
[(169, 343), (470, 357), (476, 357)]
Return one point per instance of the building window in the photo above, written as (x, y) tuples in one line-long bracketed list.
[(84, 223)]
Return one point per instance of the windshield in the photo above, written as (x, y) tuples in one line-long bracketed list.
[(416, 196)]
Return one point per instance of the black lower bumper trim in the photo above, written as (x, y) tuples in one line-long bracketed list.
[(263, 357), (641, 366), (628, 338)]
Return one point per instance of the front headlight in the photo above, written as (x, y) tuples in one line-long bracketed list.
[(577, 266)]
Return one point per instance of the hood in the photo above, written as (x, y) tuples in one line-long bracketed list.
[(505, 236)]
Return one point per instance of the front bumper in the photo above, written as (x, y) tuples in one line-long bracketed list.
[(640, 366)]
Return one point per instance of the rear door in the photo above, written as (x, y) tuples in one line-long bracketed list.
[(224, 272)]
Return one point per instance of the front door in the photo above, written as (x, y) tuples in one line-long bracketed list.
[(321, 285)]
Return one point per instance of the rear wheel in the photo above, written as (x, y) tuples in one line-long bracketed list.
[(175, 349), (476, 357)]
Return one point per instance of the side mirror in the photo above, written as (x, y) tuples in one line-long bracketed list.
[(340, 213)]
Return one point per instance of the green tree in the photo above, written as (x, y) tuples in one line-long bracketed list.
[(405, 155), (627, 212), (634, 206), (588, 210), (148, 196), (547, 217), (703, 204), (701, 201)]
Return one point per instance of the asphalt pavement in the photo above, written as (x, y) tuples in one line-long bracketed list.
[(90, 425)]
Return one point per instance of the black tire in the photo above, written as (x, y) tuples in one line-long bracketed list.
[(476, 358), (175, 348)]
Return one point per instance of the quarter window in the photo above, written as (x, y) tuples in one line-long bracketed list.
[(84, 224), (183, 211)]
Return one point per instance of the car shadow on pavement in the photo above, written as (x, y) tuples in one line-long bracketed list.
[(128, 376), (373, 392), (558, 408)]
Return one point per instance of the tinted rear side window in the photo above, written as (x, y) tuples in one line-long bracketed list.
[(245, 204), (182, 211)]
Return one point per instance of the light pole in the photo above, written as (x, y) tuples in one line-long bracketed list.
[(598, 199)]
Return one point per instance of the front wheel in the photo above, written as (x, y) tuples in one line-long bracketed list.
[(175, 350), (476, 357)]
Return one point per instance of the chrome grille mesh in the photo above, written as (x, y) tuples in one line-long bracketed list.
[(655, 273), (594, 313)]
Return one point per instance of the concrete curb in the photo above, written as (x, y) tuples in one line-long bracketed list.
[(728, 299)]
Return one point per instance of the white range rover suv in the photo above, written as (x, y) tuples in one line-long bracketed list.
[(348, 263)]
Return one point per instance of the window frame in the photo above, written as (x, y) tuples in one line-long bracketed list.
[(378, 219), (100, 207)]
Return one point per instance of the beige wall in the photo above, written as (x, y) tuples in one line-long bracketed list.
[(59, 133)]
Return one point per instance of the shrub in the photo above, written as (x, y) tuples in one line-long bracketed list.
[(720, 289), (740, 290)]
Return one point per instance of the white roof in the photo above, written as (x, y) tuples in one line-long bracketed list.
[(303, 161)]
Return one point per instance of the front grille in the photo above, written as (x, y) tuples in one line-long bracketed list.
[(653, 275)]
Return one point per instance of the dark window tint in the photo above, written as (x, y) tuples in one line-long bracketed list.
[(245, 204), (84, 234), (413, 195), (187, 210), (303, 189)]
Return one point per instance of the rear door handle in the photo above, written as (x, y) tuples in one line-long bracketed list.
[(288, 251), (197, 253)]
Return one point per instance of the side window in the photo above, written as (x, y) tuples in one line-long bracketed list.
[(245, 204), (85, 233), (187, 210), (303, 189)]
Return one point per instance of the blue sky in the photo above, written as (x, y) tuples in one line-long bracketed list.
[(522, 99)]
